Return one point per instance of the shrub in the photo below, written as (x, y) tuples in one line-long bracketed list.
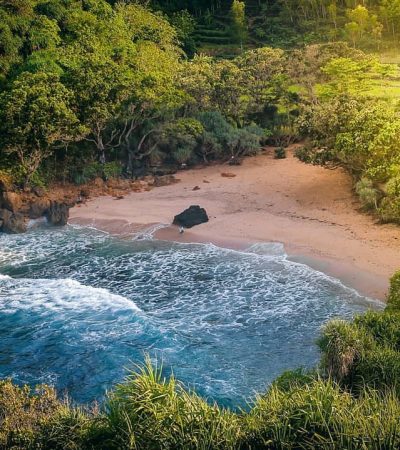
[(280, 153), (21, 412), (394, 293), (384, 328), (32, 419), (222, 139), (112, 169), (291, 378), (6, 178), (153, 412), (379, 369), (389, 210), (366, 351), (320, 415), (342, 345), (367, 193), (149, 412), (95, 169), (316, 156)]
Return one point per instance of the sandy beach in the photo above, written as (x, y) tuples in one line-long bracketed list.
[(311, 210)]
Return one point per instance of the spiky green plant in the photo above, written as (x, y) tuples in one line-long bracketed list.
[(342, 345), (150, 411)]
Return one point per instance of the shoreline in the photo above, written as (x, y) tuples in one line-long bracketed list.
[(309, 209), (365, 283)]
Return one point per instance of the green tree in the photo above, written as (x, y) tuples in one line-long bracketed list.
[(36, 117), (239, 23), (362, 23), (355, 77)]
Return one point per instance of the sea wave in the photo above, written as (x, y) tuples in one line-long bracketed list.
[(227, 321), (60, 294)]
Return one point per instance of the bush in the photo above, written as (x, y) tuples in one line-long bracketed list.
[(367, 193), (112, 169), (221, 139), (310, 155), (389, 210), (280, 153), (149, 412), (394, 293), (95, 169), (378, 369), (292, 378), (384, 328), (320, 415), (342, 345), (365, 352), (153, 412)]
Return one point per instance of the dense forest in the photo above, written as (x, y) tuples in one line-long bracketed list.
[(90, 89)]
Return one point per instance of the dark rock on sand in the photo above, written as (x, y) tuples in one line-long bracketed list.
[(191, 217)]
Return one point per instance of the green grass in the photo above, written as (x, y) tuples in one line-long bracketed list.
[(149, 412)]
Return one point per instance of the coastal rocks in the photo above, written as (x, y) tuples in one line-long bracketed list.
[(191, 217), (11, 201), (38, 208), (58, 213), (12, 222), (38, 191)]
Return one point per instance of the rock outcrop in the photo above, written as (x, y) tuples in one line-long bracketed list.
[(18, 205), (12, 222), (38, 208), (57, 214), (195, 215), (11, 201)]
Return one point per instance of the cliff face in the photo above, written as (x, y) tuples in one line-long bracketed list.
[(18, 206)]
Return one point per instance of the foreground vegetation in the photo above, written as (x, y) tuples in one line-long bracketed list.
[(351, 401)]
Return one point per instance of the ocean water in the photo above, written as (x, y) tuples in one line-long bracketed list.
[(78, 308)]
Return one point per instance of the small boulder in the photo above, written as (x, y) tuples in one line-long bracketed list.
[(228, 175), (57, 214), (12, 223), (191, 217)]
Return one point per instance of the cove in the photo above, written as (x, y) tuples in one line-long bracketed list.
[(78, 308)]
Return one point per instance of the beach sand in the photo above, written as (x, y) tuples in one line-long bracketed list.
[(310, 209)]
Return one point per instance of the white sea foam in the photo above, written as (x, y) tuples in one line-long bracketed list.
[(148, 233), (63, 294), (267, 249), (36, 223), (226, 320)]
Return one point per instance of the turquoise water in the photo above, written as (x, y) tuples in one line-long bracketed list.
[(78, 307)]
